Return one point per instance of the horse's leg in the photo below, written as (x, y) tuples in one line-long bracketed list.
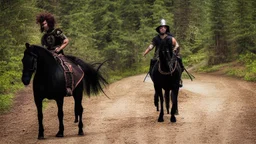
[(76, 118), (78, 96), (40, 118), (60, 116), (167, 100), (177, 111), (174, 95), (75, 109), (156, 100), (160, 94)]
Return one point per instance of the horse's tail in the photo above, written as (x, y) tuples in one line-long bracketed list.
[(93, 80)]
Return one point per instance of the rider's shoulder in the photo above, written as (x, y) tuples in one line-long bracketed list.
[(170, 34), (155, 38), (58, 31)]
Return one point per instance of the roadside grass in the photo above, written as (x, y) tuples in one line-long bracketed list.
[(5, 102), (213, 68), (118, 75), (6, 97), (234, 69), (45, 102)]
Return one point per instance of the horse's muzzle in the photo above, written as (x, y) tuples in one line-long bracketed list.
[(25, 80)]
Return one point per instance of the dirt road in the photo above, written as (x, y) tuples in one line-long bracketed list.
[(212, 109)]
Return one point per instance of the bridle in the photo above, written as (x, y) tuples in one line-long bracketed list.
[(169, 64), (167, 73), (34, 61)]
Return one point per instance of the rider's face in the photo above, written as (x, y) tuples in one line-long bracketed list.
[(163, 29), (44, 25)]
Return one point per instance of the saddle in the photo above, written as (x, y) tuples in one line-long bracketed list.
[(73, 73)]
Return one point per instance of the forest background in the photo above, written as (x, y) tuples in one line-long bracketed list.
[(213, 35)]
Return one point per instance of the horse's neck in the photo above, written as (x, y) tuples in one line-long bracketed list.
[(46, 61), (164, 65)]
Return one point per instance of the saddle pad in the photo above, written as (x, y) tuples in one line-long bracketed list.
[(75, 70)]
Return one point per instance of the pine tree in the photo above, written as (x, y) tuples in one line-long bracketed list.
[(219, 47)]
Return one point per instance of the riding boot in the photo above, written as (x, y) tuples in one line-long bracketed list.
[(181, 64), (69, 83), (152, 63), (182, 69)]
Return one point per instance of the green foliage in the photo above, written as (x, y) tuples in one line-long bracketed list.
[(118, 75), (250, 62), (45, 102), (241, 25), (244, 67), (235, 72), (194, 59), (5, 102), (219, 48), (17, 28), (9, 82), (250, 77), (211, 68)]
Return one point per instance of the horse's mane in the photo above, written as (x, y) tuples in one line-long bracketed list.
[(40, 49)]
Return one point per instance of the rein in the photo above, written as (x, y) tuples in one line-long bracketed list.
[(167, 73)]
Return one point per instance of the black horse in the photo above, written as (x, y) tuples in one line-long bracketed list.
[(49, 82), (166, 75)]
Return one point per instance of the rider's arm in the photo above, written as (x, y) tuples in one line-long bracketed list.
[(65, 40), (63, 45), (43, 43), (150, 47), (176, 45)]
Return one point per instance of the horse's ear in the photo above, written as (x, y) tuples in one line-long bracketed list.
[(27, 45)]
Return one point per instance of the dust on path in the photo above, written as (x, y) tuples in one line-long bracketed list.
[(213, 109)]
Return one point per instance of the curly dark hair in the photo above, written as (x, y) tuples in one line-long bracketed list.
[(40, 18)]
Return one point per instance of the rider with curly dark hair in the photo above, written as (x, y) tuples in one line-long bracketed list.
[(53, 39)]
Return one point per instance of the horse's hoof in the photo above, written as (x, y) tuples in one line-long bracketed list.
[(40, 137), (81, 133), (177, 112), (75, 121), (59, 134), (173, 119), (160, 120)]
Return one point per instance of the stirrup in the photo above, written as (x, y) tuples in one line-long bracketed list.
[(69, 92)]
